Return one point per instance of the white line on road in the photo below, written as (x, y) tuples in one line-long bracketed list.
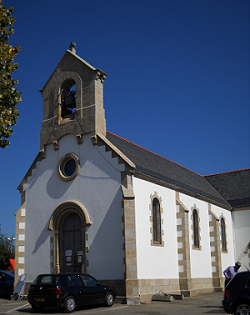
[(14, 309), (105, 310)]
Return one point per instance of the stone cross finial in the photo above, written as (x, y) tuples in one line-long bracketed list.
[(71, 47)]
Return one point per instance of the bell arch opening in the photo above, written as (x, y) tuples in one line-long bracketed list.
[(68, 98)]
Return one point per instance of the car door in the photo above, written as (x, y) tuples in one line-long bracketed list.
[(6, 282), (93, 290), (2, 284), (75, 287)]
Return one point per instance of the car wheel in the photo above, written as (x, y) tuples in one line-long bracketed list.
[(109, 299), (9, 293), (242, 309), (69, 304), (37, 308)]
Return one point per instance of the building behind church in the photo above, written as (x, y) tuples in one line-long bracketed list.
[(96, 203)]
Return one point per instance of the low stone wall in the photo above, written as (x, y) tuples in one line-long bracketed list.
[(149, 287)]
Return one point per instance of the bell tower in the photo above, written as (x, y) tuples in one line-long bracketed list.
[(72, 100)]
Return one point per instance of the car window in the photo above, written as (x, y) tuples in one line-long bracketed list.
[(88, 280), (4, 276), (73, 281), (47, 280)]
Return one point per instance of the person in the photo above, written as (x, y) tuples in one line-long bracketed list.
[(231, 271)]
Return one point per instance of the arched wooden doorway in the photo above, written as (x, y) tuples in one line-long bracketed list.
[(72, 253), (69, 222)]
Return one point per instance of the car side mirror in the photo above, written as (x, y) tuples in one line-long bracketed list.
[(98, 283)]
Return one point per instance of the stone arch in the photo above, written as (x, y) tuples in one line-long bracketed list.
[(196, 229), (62, 208), (55, 224), (155, 199), (68, 76)]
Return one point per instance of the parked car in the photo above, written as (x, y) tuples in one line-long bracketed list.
[(67, 291), (237, 295), (7, 280)]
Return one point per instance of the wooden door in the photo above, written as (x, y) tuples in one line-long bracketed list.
[(72, 249)]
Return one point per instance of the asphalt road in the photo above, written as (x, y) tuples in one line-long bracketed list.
[(201, 304)]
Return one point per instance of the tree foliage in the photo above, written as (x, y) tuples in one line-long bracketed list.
[(9, 96), (7, 250)]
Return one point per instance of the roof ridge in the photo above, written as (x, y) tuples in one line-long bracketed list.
[(244, 169), (153, 153)]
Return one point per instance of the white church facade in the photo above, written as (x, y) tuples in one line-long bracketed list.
[(94, 202)]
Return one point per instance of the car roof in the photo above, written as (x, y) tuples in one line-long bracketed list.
[(8, 273)]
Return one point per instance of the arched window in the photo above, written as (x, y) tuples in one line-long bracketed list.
[(196, 229), (223, 235), (156, 221), (68, 100)]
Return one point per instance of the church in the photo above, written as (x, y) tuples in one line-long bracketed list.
[(93, 202)]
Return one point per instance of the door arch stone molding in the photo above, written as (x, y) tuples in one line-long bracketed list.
[(65, 207)]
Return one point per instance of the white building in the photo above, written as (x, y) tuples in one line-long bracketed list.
[(94, 202)]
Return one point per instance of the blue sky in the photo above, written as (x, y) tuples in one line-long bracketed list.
[(178, 79)]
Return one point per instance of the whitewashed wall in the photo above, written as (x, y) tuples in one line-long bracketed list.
[(97, 188), (155, 262), (242, 237), (203, 257), (201, 266), (227, 258)]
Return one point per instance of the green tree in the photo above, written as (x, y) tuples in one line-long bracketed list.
[(9, 96), (7, 250)]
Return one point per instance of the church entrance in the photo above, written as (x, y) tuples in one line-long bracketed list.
[(69, 222), (72, 257)]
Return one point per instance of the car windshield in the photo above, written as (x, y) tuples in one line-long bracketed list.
[(47, 279)]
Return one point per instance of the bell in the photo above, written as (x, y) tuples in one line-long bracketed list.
[(70, 100)]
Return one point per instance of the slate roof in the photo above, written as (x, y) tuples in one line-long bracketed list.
[(157, 167), (233, 186)]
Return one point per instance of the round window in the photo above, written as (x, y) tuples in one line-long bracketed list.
[(69, 167)]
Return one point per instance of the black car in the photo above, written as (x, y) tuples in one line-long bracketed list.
[(237, 295), (67, 291), (7, 280)]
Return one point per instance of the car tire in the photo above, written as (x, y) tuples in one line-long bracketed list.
[(242, 308), (109, 299), (37, 308), (9, 293), (69, 304)]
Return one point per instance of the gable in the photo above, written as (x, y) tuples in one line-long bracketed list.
[(71, 61)]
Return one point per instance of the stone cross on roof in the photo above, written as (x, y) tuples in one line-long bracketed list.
[(71, 47)]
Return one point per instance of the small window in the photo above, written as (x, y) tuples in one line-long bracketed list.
[(88, 280), (196, 229), (156, 221), (223, 235), (68, 167)]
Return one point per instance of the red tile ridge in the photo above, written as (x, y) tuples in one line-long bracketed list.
[(246, 169)]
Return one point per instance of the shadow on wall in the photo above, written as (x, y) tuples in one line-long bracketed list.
[(107, 244), (41, 239)]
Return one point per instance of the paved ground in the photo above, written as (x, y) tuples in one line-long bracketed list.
[(201, 304)]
